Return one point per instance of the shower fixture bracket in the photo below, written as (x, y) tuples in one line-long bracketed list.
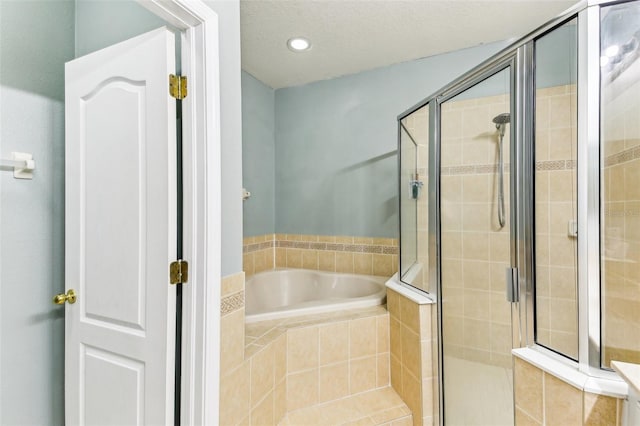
[(414, 188)]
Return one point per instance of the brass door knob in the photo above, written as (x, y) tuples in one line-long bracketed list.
[(70, 297)]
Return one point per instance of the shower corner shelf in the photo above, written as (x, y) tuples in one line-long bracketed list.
[(21, 163)]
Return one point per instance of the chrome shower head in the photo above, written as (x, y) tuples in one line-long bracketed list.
[(501, 121), (503, 118)]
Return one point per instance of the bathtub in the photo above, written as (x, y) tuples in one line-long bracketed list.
[(283, 293)]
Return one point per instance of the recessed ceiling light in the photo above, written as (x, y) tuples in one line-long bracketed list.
[(298, 44)]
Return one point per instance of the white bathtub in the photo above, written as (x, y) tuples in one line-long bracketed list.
[(283, 293)]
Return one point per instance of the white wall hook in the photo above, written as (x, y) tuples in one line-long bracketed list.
[(22, 163), (245, 194)]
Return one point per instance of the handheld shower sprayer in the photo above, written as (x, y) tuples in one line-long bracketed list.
[(501, 121)]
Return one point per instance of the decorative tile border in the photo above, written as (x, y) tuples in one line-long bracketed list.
[(627, 212), (482, 169), (232, 303), (555, 165), (623, 157), (390, 246), (474, 169)]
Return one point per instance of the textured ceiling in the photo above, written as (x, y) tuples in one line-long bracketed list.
[(350, 36)]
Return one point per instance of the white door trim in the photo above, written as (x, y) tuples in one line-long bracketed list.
[(202, 206)]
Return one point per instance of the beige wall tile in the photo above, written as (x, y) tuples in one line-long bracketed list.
[(334, 342), (410, 314), (247, 263), (333, 382), (395, 368), (562, 402), (393, 303), (263, 260), (344, 239), (280, 401), (363, 240), (363, 263), (427, 359), (395, 337), (310, 259), (362, 374), (528, 389), (412, 395), (382, 265), (234, 395), (428, 402), (302, 349), (280, 257), (302, 389), (411, 352), (362, 337), (426, 321), (262, 374), (382, 338), (280, 358), (294, 258), (344, 262), (232, 284), (263, 413), (523, 419), (327, 261), (599, 410), (232, 340), (383, 370)]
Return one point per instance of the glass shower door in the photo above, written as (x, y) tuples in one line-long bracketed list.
[(476, 250)]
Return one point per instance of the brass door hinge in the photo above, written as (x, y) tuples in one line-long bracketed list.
[(178, 86), (178, 272)]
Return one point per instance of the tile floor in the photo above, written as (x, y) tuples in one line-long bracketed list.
[(477, 394), (380, 407)]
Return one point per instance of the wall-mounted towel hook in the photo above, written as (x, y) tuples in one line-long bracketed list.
[(245, 194), (21, 163)]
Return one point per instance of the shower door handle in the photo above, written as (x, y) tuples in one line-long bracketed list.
[(513, 290)]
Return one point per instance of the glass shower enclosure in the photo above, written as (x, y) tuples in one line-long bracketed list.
[(525, 227)]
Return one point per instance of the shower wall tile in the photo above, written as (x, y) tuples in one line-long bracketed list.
[(556, 195), (412, 345), (542, 399)]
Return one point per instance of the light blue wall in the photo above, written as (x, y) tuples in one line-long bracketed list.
[(336, 141), (36, 39), (231, 128), (101, 23), (258, 156)]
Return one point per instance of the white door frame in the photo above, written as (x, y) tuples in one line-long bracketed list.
[(201, 206)]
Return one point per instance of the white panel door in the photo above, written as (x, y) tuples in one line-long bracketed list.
[(121, 234)]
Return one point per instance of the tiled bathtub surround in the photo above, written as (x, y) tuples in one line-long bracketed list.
[(271, 368), (329, 357), (354, 255), (542, 399), (412, 343)]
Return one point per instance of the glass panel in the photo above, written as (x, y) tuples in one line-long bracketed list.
[(620, 186), (414, 145), (556, 241), (476, 317)]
